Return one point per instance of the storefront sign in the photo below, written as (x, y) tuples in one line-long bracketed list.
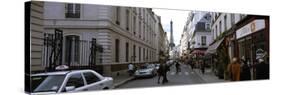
[(253, 26)]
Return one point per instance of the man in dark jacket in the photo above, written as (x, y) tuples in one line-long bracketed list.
[(245, 70), (162, 72), (262, 70), (177, 67), (202, 66)]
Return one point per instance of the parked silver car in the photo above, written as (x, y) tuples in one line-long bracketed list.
[(146, 71), (69, 81)]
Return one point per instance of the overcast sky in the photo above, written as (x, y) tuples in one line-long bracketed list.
[(178, 17)]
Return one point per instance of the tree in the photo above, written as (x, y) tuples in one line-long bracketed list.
[(223, 61)]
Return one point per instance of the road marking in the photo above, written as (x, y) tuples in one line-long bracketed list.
[(186, 73), (179, 73), (208, 71)]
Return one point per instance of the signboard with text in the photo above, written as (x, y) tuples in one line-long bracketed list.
[(252, 27)]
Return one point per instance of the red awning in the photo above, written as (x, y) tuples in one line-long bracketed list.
[(198, 52)]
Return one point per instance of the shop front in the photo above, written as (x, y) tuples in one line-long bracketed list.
[(252, 42), (251, 39)]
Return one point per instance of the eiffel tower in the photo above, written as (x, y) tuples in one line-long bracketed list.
[(172, 44)]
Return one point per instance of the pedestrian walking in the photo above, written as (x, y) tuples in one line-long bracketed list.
[(202, 66), (192, 64), (130, 69), (166, 69), (245, 70), (177, 67), (162, 72), (234, 69), (262, 70)]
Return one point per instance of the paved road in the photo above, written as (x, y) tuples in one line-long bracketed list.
[(186, 76)]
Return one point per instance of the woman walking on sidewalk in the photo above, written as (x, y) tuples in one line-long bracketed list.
[(234, 69)]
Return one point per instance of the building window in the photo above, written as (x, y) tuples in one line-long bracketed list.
[(127, 19), (143, 13), (139, 53), (216, 15), (139, 29), (147, 54), (134, 25), (127, 51), (208, 27), (143, 31), (241, 16), (217, 31), (143, 54), (214, 35), (203, 40), (134, 53), (139, 11), (147, 34), (117, 42), (225, 22), (72, 11), (117, 15), (220, 27), (72, 49), (232, 19)]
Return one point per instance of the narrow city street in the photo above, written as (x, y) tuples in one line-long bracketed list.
[(98, 52), (186, 76)]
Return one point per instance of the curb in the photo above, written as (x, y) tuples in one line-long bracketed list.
[(122, 82)]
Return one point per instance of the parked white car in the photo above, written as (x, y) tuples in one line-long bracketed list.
[(69, 81), (146, 71)]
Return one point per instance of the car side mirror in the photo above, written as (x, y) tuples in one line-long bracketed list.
[(69, 88)]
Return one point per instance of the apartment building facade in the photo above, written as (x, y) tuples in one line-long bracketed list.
[(125, 34), (36, 37), (200, 33)]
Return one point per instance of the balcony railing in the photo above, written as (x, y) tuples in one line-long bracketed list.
[(72, 15)]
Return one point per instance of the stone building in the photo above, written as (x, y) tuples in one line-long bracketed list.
[(125, 34), (36, 35)]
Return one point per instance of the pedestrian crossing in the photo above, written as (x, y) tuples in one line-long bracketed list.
[(180, 73)]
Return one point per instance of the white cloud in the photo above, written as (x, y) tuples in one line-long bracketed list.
[(178, 17)]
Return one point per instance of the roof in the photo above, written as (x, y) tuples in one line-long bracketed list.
[(60, 72)]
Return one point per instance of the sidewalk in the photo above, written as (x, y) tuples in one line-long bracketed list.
[(120, 79), (208, 76)]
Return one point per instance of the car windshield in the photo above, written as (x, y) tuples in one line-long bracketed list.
[(143, 67), (47, 83)]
